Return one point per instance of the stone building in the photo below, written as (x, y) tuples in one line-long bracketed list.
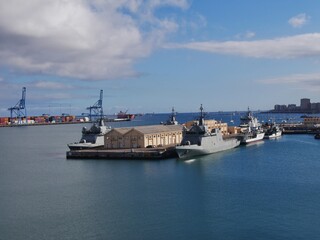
[(311, 121), (143, 136), (211, 124)]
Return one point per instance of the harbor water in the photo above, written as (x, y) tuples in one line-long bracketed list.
[(268, 190)]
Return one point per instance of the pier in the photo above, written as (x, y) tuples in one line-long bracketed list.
[(299, 129), (132, 153)]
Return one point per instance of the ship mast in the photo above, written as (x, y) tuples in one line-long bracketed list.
[(201, 120)]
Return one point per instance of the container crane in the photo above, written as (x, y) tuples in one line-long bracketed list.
[(17, 109), (96, 109)]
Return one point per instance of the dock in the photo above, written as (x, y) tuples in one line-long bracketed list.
[(299, 129), (132, 153)]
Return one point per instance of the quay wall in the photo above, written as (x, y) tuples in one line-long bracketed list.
[(135, 154)]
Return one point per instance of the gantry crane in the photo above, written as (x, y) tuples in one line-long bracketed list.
[(96, 109), (19, 107)]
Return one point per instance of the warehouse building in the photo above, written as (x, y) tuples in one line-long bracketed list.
[(143, 136)]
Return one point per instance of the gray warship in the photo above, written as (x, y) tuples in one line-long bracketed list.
[(198, 140), (91, 138)]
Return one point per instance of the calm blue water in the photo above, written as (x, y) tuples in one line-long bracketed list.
[(269, 190)]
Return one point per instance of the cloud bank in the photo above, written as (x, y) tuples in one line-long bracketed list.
[(299, 46), (309, 81), (87, 39)]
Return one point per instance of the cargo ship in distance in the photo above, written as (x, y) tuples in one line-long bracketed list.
[(124, 116), (198, 140)]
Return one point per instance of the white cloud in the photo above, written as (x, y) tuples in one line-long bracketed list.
[(50, 85), (305, 45), (295, 78), (81, 38), (310, 82), (299, 20), (246, 35), (249, 34)]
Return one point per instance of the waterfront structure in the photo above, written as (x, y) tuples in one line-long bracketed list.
[(211, 125), (96, 110), (234, 130), (19, 110), (311, 121), (143, 136)]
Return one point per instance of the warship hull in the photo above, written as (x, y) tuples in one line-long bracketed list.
[(207, 146)]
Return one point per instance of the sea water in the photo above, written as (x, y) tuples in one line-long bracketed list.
[(268, 190)]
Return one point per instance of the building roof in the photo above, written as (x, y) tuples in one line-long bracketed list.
[(158, 128), (153, 129), (121, 130)]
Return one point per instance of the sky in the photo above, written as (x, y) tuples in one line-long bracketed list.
[(152, 55)]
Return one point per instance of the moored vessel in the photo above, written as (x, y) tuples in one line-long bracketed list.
[(274, 131), (91, 138), (251, 129), (198, 140)]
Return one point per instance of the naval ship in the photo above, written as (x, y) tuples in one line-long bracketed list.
[(200, 141), (91, 138)]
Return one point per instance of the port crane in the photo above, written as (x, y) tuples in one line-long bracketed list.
[(96, 109), (19, 107)]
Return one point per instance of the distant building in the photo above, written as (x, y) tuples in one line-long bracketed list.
[(305, 104), (305, 107), (315, 107), (292, 106), (280, 107)]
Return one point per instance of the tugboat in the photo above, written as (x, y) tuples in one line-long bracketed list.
[(92, 138), (251, 129), (200, 141)]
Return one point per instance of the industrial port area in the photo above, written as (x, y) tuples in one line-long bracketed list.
[(161, 141), (18, 115)]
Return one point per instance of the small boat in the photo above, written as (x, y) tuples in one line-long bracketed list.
[(317, 136), (198, 140), (273, 131), (251, 129), (92, 138)]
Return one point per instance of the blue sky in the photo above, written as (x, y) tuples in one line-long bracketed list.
[(148, 56)]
